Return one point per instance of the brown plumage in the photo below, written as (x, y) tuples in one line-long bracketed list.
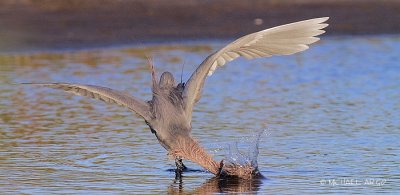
[(189, 149), (169, 112)]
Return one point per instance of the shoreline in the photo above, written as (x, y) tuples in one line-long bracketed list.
[(149, 44)]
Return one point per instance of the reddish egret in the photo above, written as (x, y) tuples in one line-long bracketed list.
[(169, 112)]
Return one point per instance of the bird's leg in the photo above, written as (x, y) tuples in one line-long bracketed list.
[(179, 165)]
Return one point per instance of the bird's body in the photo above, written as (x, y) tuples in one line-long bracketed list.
[(167, 108), (169, 112)]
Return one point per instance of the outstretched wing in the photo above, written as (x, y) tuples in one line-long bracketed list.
[(104, 94), (281, 40)]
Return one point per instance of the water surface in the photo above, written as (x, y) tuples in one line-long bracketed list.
[(331, 114)]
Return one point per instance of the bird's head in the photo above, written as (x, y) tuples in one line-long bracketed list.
[(167, 80)]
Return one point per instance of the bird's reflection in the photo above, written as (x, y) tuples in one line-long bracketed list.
[(218, 185)]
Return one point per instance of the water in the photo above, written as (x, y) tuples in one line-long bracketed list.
[(331, 114), (237, 156)]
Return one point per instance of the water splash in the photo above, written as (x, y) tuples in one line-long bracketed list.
[(244, 159)]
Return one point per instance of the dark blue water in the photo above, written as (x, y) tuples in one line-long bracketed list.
[(331, 116)]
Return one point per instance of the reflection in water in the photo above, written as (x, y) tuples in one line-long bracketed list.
[(219, 185), (330, 114)]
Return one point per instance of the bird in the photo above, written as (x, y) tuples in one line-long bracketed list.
[(169, 113)]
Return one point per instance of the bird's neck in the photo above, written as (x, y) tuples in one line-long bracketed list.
[(190, 149)]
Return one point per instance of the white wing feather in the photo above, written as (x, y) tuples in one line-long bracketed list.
[(281, 40)]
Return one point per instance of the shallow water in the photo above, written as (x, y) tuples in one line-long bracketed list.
[(331, 114)]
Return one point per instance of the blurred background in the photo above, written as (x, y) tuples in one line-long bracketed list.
[(48, 24)]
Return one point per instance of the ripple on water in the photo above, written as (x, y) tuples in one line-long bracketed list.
[(331, 114)]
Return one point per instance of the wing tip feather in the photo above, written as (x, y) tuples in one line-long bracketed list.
[(317, 24)]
